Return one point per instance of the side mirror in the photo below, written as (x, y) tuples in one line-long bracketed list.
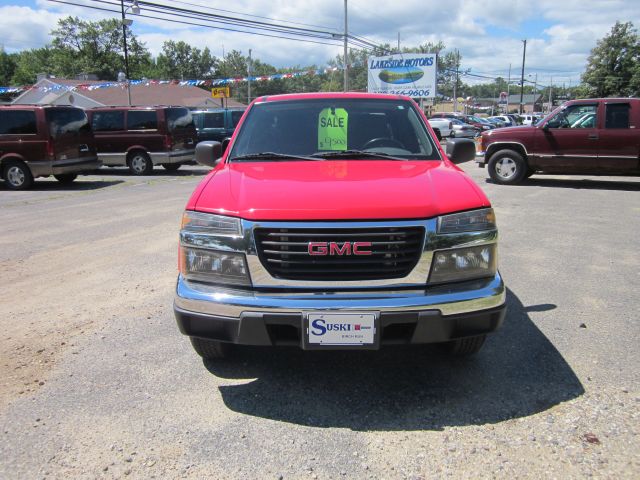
[(208, 153), (460, 150)]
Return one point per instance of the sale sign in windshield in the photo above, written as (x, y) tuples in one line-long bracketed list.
[(412, 74)]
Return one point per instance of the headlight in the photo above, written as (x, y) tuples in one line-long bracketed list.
[(214, 267), (205, 241), (198, 222), (463, 264), (473, 221)]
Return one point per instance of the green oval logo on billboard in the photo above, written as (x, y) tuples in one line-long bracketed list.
[(400, 75)]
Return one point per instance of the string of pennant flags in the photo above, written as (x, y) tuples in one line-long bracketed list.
[(183, 83)]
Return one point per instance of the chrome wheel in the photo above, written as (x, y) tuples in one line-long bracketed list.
[(506, 168), (16, 176), (140, 164)]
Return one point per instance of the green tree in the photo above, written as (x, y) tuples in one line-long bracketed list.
[(179, 60), (29, 63), (96, 47), (613, 68), (7, 68)]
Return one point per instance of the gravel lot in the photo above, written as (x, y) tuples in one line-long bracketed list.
[(97, 382)]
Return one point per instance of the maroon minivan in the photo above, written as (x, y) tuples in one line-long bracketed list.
[(38, 141), (141, 137)]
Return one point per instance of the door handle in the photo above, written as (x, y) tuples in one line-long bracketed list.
[(593, 136)]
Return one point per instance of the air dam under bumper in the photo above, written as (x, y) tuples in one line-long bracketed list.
[(435, 314)]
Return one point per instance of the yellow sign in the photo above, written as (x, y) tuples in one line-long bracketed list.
[(220, 92)]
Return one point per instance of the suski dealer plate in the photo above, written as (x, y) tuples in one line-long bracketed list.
[(341, 328)]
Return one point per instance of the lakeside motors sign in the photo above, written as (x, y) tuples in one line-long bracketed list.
[(411, 74)]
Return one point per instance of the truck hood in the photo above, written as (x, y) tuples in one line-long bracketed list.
[(520, 131), (337, 190)]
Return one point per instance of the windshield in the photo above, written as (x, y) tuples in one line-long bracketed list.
[(333, 128)]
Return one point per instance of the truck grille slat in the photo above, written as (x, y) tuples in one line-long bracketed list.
[(394, 253)]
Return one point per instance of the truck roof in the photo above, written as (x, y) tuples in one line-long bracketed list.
[(320, 95)]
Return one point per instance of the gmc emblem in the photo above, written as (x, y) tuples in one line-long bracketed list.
[(335, 248)]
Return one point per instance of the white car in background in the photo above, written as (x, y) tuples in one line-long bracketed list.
[(442, 125)]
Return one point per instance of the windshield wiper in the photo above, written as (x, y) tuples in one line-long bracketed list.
[(359, 153), (272, 156)]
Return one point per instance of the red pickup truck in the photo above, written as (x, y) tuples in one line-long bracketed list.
[(337, 221), (592, 137)]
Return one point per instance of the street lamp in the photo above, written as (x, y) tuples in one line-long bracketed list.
[(126, 22)]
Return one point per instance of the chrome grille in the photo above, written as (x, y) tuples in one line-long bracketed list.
[(284, 253)]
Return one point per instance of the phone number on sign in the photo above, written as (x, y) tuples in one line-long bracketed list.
[(409, 93)]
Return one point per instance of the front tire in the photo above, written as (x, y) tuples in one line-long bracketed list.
[(140, 163), (17, 176), (463, 347), (210, 349), (171, 167), (66, 178), (507, 167)]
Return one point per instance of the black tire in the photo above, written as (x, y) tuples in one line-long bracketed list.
[(453, 134), (507, 167), (466, 346), (66, 178), (17, 176), (171, 167), (139, 163), (210, 349)]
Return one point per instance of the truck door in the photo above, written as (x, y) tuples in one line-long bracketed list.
[(620, 137), (569, 141)]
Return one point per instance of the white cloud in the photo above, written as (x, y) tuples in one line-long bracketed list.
[(488, 34)]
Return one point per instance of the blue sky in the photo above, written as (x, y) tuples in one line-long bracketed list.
[(488, 34)]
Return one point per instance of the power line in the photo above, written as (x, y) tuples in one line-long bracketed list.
[(192, 23)]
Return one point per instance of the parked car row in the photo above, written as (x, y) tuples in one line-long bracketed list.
[(65, 141)]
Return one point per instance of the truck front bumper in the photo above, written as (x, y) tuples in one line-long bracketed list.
[(434, 314)]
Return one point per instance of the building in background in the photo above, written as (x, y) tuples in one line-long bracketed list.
[(56, 91)]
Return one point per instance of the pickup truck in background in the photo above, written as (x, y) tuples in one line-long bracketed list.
[(442, 126), (589, 137)]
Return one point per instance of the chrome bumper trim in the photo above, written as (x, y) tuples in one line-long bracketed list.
[(176, 156), (450, 299)]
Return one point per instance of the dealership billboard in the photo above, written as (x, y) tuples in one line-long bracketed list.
[(411, 74)]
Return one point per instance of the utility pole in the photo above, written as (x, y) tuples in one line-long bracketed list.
[(249, 71), (550, 95), (524, 53), (398, 42), (126, 55), (346, 70), (455, 85), (508, 87)]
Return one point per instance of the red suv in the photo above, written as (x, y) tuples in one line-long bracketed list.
[(141, 137), (38, 141)]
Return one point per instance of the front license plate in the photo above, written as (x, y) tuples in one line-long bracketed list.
[(341, 328)]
